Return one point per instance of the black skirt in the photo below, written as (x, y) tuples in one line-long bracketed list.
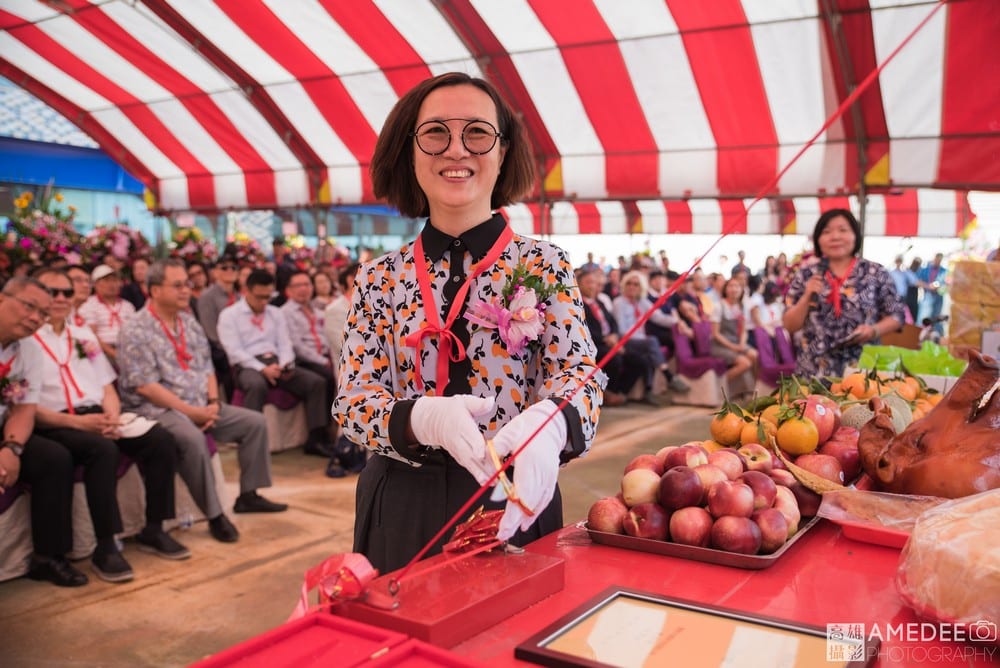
[(399, 508)]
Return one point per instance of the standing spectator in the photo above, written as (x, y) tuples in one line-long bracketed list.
[(855, 300), (79, 409), (135, 290), (903, 279), (912, 297), (105, 311), (167, 376), (37, 461), (741, 266), (257, 343), (932, 280)]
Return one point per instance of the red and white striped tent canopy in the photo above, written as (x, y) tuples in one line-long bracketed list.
[(233, 104)]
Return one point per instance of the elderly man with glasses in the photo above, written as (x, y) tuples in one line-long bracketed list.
[(167, 376), (41, 463)]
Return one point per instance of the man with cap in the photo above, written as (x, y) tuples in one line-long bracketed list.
[(105, 311)]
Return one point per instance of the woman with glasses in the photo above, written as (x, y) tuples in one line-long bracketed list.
[(437, 359)]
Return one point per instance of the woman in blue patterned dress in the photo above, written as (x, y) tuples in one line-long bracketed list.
[(425, 376), (841, 302)]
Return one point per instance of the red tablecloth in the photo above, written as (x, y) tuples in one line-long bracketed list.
[(824, 578)]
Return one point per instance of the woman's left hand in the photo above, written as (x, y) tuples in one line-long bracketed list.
[(864, 333)]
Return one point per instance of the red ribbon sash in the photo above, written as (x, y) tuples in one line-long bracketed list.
[(65, 373), (114, 314), (312, 328), (179, 344), (836, 285), (449, 347)]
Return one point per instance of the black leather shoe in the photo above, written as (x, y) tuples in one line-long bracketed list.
[(161, 544), (252, 502), (318, 449), (335, 470), (111, 567), (56, 570), (223, 530)]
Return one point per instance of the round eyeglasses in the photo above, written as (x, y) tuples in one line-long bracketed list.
[(478, 137)]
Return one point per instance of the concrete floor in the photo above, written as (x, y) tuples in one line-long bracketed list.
[(174, 613)]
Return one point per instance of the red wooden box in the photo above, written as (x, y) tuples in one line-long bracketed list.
[(446, 605), (416, 654), (317, 639)]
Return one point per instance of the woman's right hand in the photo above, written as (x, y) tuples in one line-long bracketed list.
[(450, 424), (814, 285)]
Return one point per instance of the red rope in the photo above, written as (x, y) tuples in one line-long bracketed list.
[(848, 101)]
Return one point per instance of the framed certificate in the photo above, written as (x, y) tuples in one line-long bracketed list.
[(624, 627)]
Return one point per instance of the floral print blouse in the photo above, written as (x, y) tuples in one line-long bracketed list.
[(867, 296), (378, 369)]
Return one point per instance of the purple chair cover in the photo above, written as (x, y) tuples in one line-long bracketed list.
[(276, 396), (770, 368), (688, 364), (702, 339), (784, 346)]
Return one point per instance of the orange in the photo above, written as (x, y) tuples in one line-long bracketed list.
[(798, 436), (770, 414), (726, 428), (903, 389), (854, 384), (749, 433)]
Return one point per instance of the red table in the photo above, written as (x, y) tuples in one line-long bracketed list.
[(823, 578)]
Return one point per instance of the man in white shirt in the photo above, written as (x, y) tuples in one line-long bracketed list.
[(255, 336), (105, 310), (39, 462)]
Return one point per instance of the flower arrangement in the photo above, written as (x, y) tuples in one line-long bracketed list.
[(300, 254), (190, 245), (518, 314), (86, 349), (118, 240), (41, 231), (245, 249), (13, 390)]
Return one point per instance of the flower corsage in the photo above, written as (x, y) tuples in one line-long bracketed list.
[(518, 314), (13, 390), (85, 348)]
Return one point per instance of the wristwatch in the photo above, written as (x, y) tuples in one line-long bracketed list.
[(14, 446)]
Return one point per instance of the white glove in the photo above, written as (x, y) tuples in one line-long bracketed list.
[(449, 423), (536, 469)]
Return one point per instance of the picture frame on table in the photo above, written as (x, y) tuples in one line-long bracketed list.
[(627, 627)]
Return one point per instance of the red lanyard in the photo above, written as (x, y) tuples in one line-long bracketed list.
[(312, 328), (179, 344), (635, 310), (78, 319), (5, 366), (836, 284), (258, 320), (599, 314), (449, 347), (65, 373), (114, 313)]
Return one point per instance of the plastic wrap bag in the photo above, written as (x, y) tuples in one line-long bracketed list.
[(879, 510), (950, 568), (930, 360)]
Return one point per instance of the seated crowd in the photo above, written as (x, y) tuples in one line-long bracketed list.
[(94, 368)]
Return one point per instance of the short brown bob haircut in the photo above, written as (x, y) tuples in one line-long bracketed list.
[(391, 169)]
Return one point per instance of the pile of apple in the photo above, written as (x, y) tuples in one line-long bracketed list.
[(738, 500)]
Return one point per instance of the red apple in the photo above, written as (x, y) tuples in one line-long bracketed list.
[(824, 466), (640, 486), (709, 475), (680, 486), (777, 464), (807, 499), (847, 454), (729, 461), (783, 477), (773, 529), (607, 514), (647, 520), (691, 526), (686, 455), (786, 504), (661, 454), (651, 462), (764, 489), (826, 417), (736, 534), (730, 497), (757, 457)]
